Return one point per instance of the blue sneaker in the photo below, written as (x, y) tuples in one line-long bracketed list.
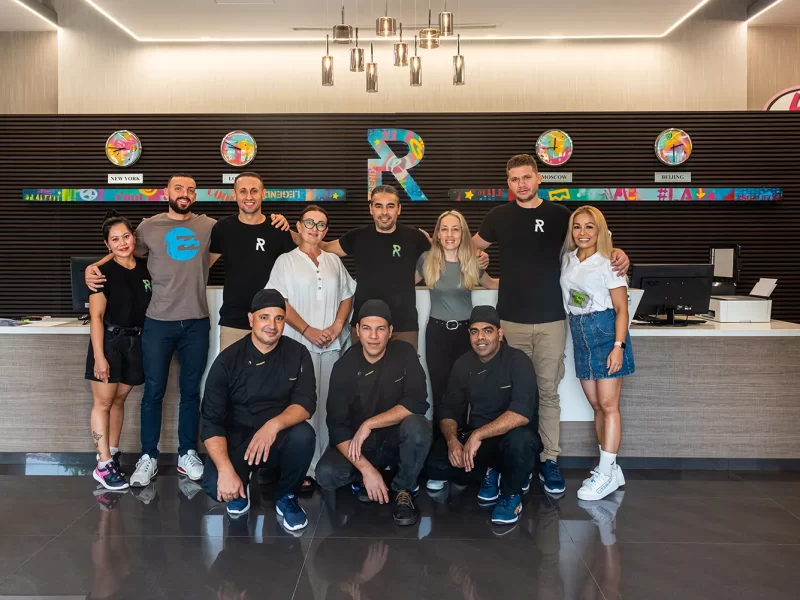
[(507, 510), (550, 476), (490, 488), (294, 517), (240, 506)]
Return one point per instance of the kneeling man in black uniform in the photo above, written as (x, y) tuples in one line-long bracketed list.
[(377, 401), (259, 393), (489, 419)]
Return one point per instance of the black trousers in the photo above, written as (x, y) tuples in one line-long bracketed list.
[(511, 454), (404, 447), (443, 347), (291, 454)]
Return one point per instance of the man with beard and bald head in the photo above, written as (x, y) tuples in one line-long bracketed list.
[(259, 393), (176, 244)]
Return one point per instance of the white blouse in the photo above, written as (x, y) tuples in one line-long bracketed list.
[(315, 292), (585, 285)]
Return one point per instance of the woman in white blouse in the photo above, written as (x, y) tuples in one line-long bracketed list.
[(319, 295)]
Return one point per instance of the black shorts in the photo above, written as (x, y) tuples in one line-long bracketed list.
[(124, 356)]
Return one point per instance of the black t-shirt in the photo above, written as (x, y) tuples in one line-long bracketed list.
[(530, 259), (127, 293), (385, 268), (250, 252)]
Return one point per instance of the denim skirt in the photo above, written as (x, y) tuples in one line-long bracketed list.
[(593, 336)]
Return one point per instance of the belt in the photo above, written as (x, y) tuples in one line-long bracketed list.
[(452, 324), (132, 331)]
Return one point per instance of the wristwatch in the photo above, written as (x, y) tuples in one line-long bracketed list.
[(620, 345)]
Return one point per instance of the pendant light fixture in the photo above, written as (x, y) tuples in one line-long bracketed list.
[(401, 51), (446, 22), (372, 72), (459, 68), (357, 57), (429, 37), (327, 65), (386, 26), (342, 34), (416, 67)]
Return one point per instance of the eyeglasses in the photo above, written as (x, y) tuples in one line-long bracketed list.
[(310, 224)]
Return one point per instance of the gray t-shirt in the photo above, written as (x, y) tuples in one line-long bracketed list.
[(177, 258), (449, 301)]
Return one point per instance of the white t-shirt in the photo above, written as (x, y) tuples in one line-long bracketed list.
[(315, 292), (585, 285)]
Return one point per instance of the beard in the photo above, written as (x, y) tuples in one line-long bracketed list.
[(173, 204)]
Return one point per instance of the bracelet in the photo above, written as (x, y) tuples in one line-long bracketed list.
[(304, 330)]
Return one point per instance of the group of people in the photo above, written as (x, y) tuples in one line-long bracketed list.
[(297, 391)]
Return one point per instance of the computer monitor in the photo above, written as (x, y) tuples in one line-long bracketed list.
[(80, 293), (671, 290)]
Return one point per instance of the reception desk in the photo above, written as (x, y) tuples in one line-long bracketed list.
[(707, 391)]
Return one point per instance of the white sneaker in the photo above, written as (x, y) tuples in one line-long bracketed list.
[(598, 487), (190, 465), (435, 485), (617, 472), (146, 469)]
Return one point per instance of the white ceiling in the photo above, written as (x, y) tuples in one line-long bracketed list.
[(14, 17), (786, 12), (259, 19)]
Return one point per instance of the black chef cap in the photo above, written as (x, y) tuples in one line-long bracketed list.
[(375, 308), (485, 314), (267, 298)]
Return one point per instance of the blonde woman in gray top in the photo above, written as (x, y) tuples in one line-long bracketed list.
[(450, 268)]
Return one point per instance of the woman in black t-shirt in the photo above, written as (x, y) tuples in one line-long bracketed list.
[(114, 360)]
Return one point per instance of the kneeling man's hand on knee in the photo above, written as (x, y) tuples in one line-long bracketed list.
[(229, 486), (470, 450), (258, 450), (455, 451)]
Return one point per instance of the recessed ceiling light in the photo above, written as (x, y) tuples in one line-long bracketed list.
[(40, 10), (138, 38)]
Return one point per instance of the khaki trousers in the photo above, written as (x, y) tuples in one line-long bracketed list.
[(544, 344), (412, 337), (230, 335)]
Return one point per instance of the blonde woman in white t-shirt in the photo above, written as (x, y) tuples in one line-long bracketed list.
[(596, 299)]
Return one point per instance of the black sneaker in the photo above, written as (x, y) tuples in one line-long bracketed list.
[(116, 458), (109, 477), (403, 511)]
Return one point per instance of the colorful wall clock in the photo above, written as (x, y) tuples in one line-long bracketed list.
[(673, 147), (123, 148), (554, 147), (238, 148)]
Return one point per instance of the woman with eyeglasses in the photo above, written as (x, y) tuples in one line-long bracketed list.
[(319, 295), (450, 268)]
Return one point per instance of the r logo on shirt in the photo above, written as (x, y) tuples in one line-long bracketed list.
[(260, 244), (539, 227), (148, 287), (396, 251)]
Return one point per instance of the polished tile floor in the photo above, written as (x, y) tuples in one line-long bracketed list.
[(667, 534)]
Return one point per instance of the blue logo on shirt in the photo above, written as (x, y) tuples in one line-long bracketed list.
[(181, 243)]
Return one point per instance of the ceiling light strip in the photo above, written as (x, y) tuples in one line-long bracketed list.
[(759, 8), (205, 40), (40, 10)]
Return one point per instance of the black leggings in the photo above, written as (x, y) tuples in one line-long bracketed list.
[(443, 347)]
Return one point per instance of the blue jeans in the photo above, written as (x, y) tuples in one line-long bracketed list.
[(160, 339)]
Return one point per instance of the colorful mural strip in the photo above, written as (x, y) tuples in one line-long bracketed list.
[(662, 194), (388, 160), (157, 195)]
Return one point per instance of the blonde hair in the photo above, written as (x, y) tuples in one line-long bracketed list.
[(435, 265), (604, 245)]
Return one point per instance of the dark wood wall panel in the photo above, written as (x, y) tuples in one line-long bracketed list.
[(462, 150)]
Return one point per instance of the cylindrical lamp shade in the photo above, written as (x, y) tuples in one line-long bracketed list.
[(386, 26), (357, 60), (401, 54), (415, 71), (446, 23), (429, 38), (459, 70), (342, 34), (327, 70), (372, 77)]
